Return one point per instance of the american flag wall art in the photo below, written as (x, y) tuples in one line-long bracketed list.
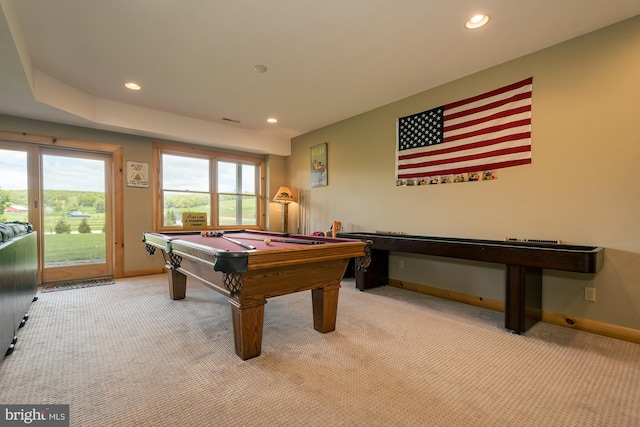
[(482, 133)]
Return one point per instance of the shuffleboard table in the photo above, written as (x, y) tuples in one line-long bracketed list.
[(250, 266), (524, 261)]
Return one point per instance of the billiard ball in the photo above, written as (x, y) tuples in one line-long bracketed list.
[(267, 241)]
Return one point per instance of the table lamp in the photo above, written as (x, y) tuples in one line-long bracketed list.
[(284, 196)]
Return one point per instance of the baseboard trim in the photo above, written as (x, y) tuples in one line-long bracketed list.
[(147, 272), (559, 319), (593, 326), (491, 304)]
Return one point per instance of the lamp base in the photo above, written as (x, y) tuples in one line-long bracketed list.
[(285, 218)]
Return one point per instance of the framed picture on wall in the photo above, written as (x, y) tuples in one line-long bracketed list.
[(137, 174), (319, 167)]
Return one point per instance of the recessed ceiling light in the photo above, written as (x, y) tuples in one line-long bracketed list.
[(132, 86), (260, 68), (272, 120), (477, 21)]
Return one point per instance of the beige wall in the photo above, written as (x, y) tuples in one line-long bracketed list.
[(581, 187), (276, 169)]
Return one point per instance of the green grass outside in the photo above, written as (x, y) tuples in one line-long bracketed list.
[(227, 212), (72, 248), (96, 222)]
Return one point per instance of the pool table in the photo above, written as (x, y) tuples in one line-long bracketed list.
[(248, 269)]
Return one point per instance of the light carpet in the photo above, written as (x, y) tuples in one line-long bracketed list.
[(127, 355)]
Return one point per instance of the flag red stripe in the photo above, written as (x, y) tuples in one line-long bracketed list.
[(495, 104), (499, 115), (491, 129), (452, 171), (483, 155), (492, 93), (484, 143)]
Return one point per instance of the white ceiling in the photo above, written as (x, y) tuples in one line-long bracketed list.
[(66, 60)]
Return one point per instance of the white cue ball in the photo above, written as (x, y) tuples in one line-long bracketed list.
[(267, 241)]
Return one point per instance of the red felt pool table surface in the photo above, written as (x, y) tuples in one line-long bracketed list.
[(255, 238), (248, 277)]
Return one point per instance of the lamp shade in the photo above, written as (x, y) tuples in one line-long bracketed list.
[(284, 195)]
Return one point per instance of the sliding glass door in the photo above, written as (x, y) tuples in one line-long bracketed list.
[(66, 195), (75, 212)]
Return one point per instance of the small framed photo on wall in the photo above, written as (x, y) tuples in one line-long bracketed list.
[(137, 174), (319, 167)]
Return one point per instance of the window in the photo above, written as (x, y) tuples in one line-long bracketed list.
[(228, 188), (186, 187), (237, 200)]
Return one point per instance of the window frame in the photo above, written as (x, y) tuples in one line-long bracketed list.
[(160, 148)]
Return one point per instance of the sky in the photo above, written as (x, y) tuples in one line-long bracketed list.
[(70, 173), (13, 173), (60, 173), (192, 174)]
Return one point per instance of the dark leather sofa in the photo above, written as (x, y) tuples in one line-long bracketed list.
[(18, 280)]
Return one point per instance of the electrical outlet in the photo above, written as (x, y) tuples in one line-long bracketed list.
[(401, 263), (590, 294)]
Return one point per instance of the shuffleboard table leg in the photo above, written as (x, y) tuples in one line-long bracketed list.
[(325, 307), (523, 297), (376, 274), (247, 327)]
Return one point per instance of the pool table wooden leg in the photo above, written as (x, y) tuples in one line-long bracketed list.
[(177, 284), (247, 328), (325, 308)]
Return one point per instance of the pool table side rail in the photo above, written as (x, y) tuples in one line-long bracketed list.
[(276, 257), (167, 245)]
